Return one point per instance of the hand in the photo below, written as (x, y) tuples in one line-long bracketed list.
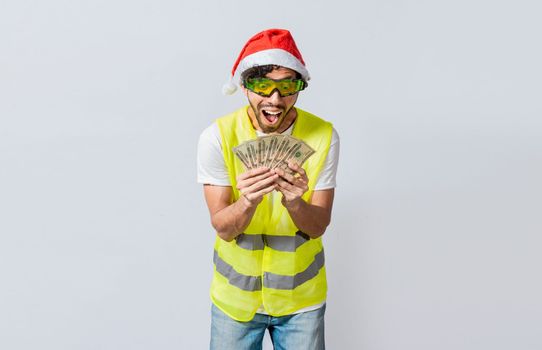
[(292, 187), (256, 183)]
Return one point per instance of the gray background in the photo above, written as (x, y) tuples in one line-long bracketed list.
[(105, 240)]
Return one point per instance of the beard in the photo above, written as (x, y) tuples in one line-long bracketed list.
[(270, 117)]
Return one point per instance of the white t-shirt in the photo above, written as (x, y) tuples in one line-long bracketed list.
[(212, 170)]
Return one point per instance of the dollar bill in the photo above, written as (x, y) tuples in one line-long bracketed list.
[(282, 149), (285, 148), (262, 149), (301, 154), (273, 151), (273, 146), (244, 153), (298, 154)]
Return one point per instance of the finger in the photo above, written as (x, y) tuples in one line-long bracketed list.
[(252, 173), (295, 167), (283, 174), (284, 191), (287, 194), (300, 182), (297, 189), (284, 184), (260, 184), (266, 190), (260, 193), (252, 180), (290, 190)]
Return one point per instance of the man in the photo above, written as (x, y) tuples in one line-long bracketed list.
[(268, 260)]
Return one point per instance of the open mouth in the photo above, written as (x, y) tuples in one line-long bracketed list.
[(271, 116)]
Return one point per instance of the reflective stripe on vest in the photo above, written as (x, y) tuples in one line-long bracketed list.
[(280, 243), (244, 282), (270, 280)]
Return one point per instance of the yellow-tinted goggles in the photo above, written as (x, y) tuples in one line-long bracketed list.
[(266, 86)]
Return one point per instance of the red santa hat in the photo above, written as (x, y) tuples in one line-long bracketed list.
[(272, 46)]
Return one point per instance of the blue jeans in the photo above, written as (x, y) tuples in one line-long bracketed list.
[(303, 331)]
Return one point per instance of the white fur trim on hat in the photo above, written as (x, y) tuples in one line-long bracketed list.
[(277, 57)]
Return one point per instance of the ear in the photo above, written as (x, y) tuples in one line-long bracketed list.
[(244, 89)]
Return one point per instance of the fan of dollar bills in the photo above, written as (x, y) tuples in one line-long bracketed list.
[(273, 151)]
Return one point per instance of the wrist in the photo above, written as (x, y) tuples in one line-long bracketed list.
[(292, 204), (245, 203)]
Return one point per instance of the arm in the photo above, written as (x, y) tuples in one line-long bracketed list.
[(312, 218), (230, 218)]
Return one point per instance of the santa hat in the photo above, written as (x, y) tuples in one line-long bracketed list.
[(272, 46)]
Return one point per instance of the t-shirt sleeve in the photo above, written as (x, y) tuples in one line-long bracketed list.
[(210, 160), (328, 175)]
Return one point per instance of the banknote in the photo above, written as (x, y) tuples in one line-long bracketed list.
[(241, 153), (273, 151), (298, 154)]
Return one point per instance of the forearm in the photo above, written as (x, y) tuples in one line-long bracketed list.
[(233, 219), (310, 219)]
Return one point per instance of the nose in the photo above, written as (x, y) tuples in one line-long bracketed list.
[(275, 96)]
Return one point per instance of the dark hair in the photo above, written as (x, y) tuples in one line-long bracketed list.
[(261, 71)]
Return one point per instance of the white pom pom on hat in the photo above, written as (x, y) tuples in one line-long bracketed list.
[(271, 46), (229, 88)]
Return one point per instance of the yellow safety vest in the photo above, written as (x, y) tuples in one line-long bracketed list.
[(271, 262)]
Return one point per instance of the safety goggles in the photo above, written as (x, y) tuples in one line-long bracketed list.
[(265, 86)]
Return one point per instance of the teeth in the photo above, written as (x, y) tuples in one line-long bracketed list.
[(273, 113)]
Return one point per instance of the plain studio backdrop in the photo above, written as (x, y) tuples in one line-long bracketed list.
[(105, 239)]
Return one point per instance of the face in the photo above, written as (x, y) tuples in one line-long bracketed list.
[(274, 113)]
